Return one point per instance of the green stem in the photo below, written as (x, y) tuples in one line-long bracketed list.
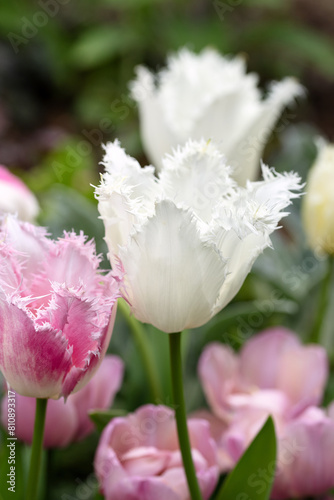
[(145, 351), (323, 302), (181, 415), (37, 448)]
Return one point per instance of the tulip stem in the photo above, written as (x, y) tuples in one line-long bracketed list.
[(145, 351), (323, 301), (181, 415), (37, 448)]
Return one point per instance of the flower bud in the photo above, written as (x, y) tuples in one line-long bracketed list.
[(318, 203)]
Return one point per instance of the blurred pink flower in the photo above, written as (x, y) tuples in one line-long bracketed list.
[(139, 457), (272, 375), (305, 456), (15, 197), (56, 310), (273, 360), (69, 422)]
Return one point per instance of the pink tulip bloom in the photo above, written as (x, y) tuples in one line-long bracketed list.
[(15, 197), (305, 456), (272, 375), (68, 422), (56, 310), (139, 457), (273, 360)]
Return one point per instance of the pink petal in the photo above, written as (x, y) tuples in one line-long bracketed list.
[(217, 430), (260, 357), (298, 371), (16, 197), (218, 371), (303, 375), (98, 393), (33, 361), (144, 489), (77, 378), (201, 440), (306, 457), (60, 423), (29, 245), (176, 480), (142, 449), (145, 461)]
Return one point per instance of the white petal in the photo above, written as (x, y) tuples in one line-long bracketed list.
[(241, 254), (273, 194), (243, 222), (174, 277), (192, 82), (245, 154), (196, 177), (156, 137), (126, 195)]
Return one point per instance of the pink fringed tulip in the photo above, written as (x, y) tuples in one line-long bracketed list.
[(69, 422), (15, 197), (305, 456), (273, 360), (139, 457), (56, 310)]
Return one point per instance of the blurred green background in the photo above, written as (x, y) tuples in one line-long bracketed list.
[(64, 72)]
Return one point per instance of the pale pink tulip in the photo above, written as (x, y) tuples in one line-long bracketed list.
[(15, 197), (139, 457), (56, 310), (305, 456), (273, 360), (68, 422), (273, 375)]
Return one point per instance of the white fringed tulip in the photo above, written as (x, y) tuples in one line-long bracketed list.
[(318, 203), (187, 240), (207, 95)]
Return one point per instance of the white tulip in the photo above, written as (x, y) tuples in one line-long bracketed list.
[(207, 95), (187, 240), (318, 203)]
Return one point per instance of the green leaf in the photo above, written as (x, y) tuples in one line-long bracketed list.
[(253, 476), (102, 417), (305, 46), (131, 4), (246, 317), (99, 44)]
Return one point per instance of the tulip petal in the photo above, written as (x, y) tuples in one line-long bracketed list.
[(298, 371), (126, 195), (152, 488), (29, 248), (78, 377), (306, 457), (33, 360), (98, 393), (267, 346), (245, 154), (60, 423), (16, 197), (218, 370), (168, 249), (145, 461), (196, 177), (182, 84)]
